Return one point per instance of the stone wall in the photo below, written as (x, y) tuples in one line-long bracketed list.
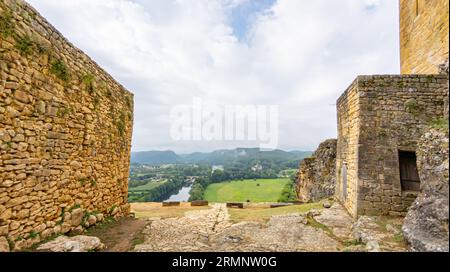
[(424, 36), (65, 132), (347, 146), (389, 114), (316, 176), (426, 224)]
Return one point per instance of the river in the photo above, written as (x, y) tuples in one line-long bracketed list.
[(182, 195)]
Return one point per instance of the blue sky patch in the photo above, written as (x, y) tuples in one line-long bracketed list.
[(242, 16)]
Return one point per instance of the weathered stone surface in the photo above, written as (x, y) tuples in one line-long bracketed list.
[(4, 230), (443, 68), (92, 219), (336, 219), (423, 36), (79, 243), (316, 177), (99, 217), (426, 224), (4, 246), (65, 228), (377, 234), (76, 217)]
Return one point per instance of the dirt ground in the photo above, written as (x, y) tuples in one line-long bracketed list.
[(121, 235)]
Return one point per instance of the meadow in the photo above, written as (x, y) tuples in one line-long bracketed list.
[(259, 190)]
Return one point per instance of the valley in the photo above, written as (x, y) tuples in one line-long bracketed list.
[(239, 175)]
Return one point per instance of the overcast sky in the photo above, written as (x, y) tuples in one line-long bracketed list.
[(298, 54)]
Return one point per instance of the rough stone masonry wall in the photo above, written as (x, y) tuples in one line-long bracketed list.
[(316, 177), (395, 111), (347, 146), (426, 224), (65, 132), (424, 39)]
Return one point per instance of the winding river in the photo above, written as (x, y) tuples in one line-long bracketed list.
[(182, 195)]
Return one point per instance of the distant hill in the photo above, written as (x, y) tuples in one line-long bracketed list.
[(155, 157), (225, 157)]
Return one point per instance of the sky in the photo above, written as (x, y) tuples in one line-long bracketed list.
[(299, 55)]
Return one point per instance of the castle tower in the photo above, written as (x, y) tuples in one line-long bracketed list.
[(382, 118)]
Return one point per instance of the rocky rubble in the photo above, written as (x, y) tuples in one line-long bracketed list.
[(4, 245), (426, 224), (316, 177), (73, 244), (324, 230)]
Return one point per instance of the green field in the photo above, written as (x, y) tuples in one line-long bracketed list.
[(269, 190), (148, 186)]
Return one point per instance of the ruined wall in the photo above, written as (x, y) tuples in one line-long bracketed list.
[(424, 36), (65, 132), (347, 146), (394, 112), (426, 224), (316, 177)]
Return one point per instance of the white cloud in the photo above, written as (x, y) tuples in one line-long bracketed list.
[(300, 55)]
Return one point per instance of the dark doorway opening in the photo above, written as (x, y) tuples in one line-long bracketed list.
[(409, 175)]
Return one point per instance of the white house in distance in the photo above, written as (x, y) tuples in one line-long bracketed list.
[(217, 167)]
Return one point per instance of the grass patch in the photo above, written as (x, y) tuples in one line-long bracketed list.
[(441, 124), (107, 223), (413, 107), (399, 238), (154, 209), (76, 206), (93, 182), (138, 239), (313, 223), (128, 101), (6, 24), (96, 102), (354, 242), (36, 245), (263, 214), (259, 190), (88, 81), (25, 45), (63, 112), (121, 124), (33, 234), (148, 186), (83, 181), (59, 69)]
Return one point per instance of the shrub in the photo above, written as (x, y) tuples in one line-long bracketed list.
[(33, 234), (25, 45), (6, 24), (63, 112), (88, 81), (441, 124), (121, 124), (82, 181), (96, 102), (59, 69), (413, 107), (129, 101)]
